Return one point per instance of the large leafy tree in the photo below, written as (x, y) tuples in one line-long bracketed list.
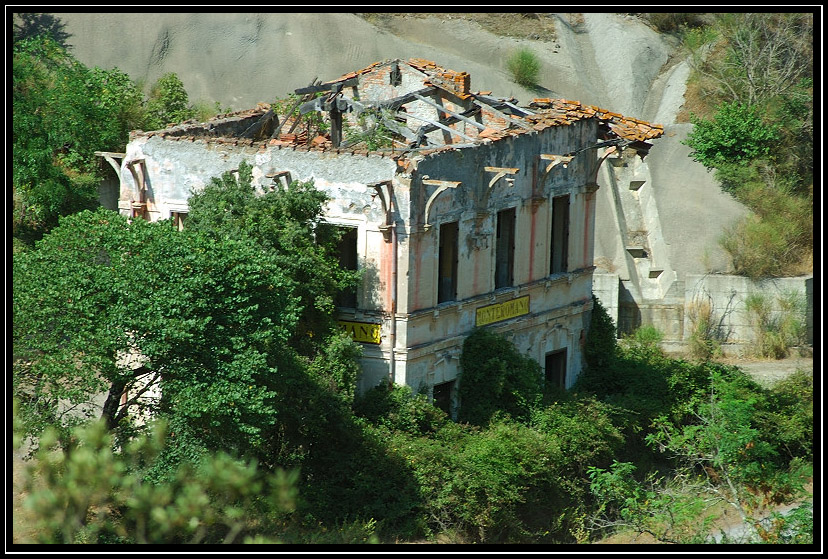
[(207, 321), (287, 223), (62, 113)]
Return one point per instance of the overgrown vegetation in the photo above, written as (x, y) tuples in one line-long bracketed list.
[(94, 492), (753, 82), (370, 130), (496, 377), (719, 436), (287, 222), (63, 112), (643, 442), (311, 123), (707, 333), (779, 325)]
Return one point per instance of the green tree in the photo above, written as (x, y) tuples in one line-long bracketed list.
[(735, 134), (208, 322), (168, 103), (62, 113), (28, 25), (723, 440), (671, 511), (287, 223)]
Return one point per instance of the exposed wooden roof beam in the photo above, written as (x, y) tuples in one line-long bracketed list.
[(398, 128), (396, 102), (519, 109), (452, 113), (501, 114), (422, 133), (325, 86)]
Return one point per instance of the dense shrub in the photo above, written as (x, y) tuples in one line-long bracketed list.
[(788, 418), (399, 409), (510, 482), (585, 430), (601, 339), (647, 383), (736, 133), (90, 493), (495, 376)]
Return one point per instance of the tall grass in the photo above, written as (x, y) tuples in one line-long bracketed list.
[(524, 66), (777, 240), (706, 337), (778, 327)]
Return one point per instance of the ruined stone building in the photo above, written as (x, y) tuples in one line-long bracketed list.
[(478, 213)]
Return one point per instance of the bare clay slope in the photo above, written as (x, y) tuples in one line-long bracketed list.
[(242, 59), (610, 60)]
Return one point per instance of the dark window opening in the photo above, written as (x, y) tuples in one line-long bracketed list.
[(505, 249), (447, 267), (560, 235), (348, 260), (556, 368), (442, 396)]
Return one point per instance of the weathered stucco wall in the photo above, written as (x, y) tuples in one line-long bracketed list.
[(557, 304), (178, 167)]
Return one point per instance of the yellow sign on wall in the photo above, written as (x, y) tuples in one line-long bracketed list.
[(365, 332), (502, 311)]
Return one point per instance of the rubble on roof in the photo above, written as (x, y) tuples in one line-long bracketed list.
[(446, 90)]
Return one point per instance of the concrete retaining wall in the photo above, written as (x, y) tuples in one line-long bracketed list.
[(725, 296), (728, 295)]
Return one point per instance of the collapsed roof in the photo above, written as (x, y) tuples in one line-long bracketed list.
[(462, 118)]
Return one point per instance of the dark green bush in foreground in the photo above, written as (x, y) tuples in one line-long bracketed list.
[(495, 376), (644, 443)]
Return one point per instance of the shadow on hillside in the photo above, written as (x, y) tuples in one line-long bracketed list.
[(28, 25), (542, 92)]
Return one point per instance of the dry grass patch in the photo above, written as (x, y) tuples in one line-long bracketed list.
[(533, 26)]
